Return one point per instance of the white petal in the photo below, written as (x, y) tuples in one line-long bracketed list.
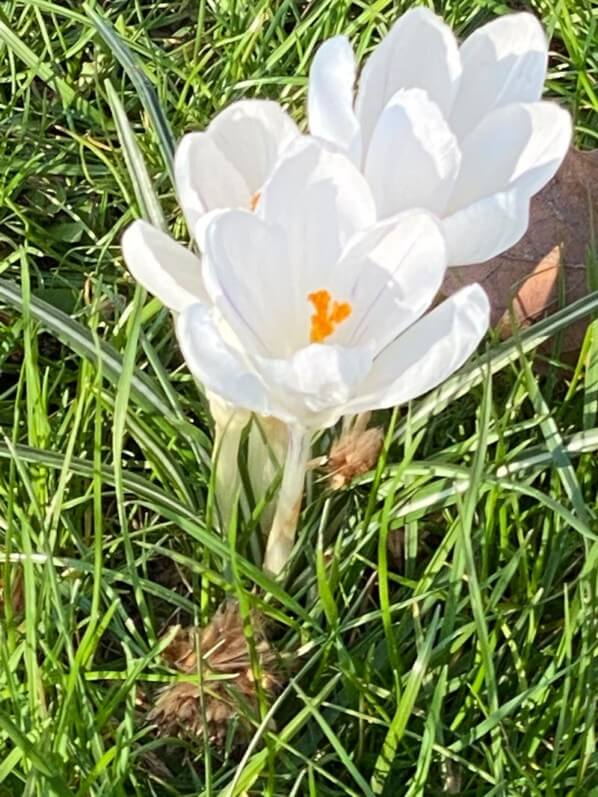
[(413, 158), (516, 146), (164, 268), (215, 364), (206, 179), (503, 62), (319, 198), (246, 271), (225, 414), (308, 388), (330, 96), (201, 227), (317, 380), (485, 228), (428, 352), (390, 274), (420, 51), (252, 134)]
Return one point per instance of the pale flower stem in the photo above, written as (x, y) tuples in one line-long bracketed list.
[(266, 451), (282, 534), (229, 423), (347, 423), (356, 423), (361, 421), (227, 481)]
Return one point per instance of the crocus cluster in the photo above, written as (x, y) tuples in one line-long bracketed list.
[(320, 255)]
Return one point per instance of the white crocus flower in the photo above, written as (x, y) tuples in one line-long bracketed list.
[(457, 130), (316, 310), (222, 167), (173, 274), (226, 165)]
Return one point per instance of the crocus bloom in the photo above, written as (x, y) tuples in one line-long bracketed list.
[(316, 310), (173, 273), (226, 165), (222, 167), (459, 131)]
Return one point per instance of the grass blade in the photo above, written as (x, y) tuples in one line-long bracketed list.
[(78, 338), (498, 358), (144, 88), (149, 204), (46, 72), (404, 709)]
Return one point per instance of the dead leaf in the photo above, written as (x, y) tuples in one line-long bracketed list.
[(354, 454), (396, 546), (527, 277), (224, 650)]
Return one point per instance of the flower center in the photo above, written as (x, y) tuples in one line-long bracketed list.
[(328, 314), (254, 199)]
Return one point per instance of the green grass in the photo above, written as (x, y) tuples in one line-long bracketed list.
[(462, 661)]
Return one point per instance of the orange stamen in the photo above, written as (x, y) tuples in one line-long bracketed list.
[(254, 199), (326, 318)]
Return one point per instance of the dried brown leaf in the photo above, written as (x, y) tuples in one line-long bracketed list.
[(209, 703), (353, 454)]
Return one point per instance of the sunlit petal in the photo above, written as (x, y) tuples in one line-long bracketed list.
[(165, 268)]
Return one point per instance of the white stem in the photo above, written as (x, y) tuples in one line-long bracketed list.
[(361, 421), (229, 423), (266, 451), (282, 534), (355, 423), (227, 480), (347, 423)]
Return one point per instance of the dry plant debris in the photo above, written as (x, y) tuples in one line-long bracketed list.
[(224, 688)]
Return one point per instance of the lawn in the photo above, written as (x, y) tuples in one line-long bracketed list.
[(437, 633)]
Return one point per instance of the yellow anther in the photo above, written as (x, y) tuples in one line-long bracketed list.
[(254, 199), (328, 314)]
